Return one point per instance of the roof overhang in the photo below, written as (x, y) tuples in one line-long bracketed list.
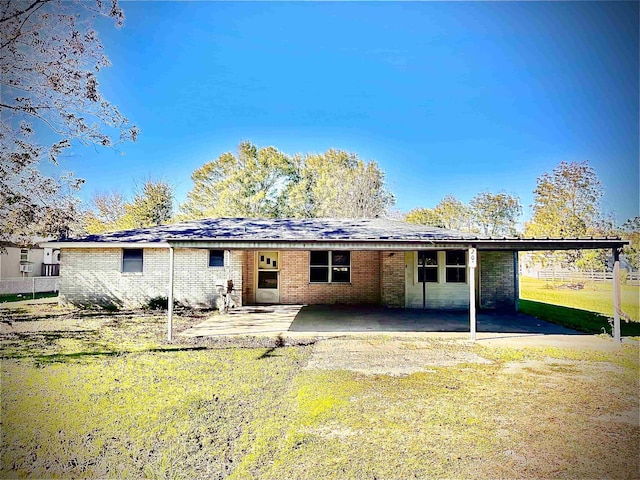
[(513, 244), (488, 244), (63, 244)]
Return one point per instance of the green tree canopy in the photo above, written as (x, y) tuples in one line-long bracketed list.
[(449, 213), (495, 213), (264, 182), (630, 230), (152, 205), (567, 204)]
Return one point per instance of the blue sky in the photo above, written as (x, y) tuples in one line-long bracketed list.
[(447, 97)]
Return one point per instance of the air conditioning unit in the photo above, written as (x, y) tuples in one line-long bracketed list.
[(26, 268)]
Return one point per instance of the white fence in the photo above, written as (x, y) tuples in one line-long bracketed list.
[(586, 276), (29, 285)]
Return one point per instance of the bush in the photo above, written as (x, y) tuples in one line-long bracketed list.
[(158, 303)]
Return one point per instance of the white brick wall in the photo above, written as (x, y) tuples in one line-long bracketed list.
[(94, 276)]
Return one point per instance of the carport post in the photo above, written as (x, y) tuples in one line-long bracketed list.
[(473, 260), (170, 296), (616, 295)]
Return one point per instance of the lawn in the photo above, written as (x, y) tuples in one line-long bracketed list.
[(17, 297), (101, 395), (587, 309)]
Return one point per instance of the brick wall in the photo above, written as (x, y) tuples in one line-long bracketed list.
[(296, 289), (93, 276), (497, 282), (392, 278)]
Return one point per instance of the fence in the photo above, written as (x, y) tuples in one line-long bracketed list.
[(29, 285), (586, 276)]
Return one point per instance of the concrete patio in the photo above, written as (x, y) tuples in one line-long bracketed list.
[(322, 320)]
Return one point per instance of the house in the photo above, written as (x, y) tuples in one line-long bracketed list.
[(301, 261), (20, 261)]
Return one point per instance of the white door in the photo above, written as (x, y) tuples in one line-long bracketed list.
[(267, 278)]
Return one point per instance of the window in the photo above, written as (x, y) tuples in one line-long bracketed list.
[(267, 279), (24, 255), (216, 258), (132, 260), (428, 266), (330, 267), (456, 266)]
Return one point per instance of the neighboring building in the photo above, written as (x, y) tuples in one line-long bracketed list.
[(18, 261), (299, 261)]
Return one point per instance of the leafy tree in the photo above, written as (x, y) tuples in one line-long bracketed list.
[(495, 214), (630, 230), (336, 184), (264, 182), (49, 60), (567, 204), (424, 216), (450, 213), (106, 213), (248, 184), (152, 205)]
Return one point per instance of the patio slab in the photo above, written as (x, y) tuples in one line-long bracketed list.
[(321, 320)]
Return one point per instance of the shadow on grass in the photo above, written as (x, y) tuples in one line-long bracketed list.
[(582, 320), (70, 357)]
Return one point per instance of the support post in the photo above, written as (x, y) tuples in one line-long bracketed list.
[(616, 295), (170, 297), (516, 282), (473, 260)]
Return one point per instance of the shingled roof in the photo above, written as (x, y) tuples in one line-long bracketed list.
[(276, 232)]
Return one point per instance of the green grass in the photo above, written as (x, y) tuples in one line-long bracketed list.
[(594, 297), (98, 395), (18, 297)]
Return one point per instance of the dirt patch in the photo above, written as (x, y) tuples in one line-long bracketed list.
[(388, 357)]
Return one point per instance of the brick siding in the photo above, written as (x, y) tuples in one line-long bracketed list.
[(497, 281), (93, 276), (392, 279)]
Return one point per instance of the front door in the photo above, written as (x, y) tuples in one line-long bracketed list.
[(267, 288)]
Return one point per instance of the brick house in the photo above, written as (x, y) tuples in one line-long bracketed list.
[(300, 261)]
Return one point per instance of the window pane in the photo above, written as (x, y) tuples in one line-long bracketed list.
[(341, 258), (430, 257), (216, 258), (319, 258), (455, 257), (456, 275), (340, 274), (132, 260), (267, 279), (319, 274), (427, 274)]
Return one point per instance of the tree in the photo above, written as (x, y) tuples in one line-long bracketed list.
[(152, 205), (495, 214), (249, 184), (106, 213), (424, 216), (49, 59), (630, 230), (264, 182), (450, 213), (336, 184), (567, 204)]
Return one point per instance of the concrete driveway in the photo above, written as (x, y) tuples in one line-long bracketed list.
[(321, 320)]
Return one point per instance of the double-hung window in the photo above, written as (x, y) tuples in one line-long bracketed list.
[(456, 269), (427, 266), (132, 260), (330, 267), (24, 255)]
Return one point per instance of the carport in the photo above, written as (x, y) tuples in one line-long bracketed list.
[(320, 320)]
